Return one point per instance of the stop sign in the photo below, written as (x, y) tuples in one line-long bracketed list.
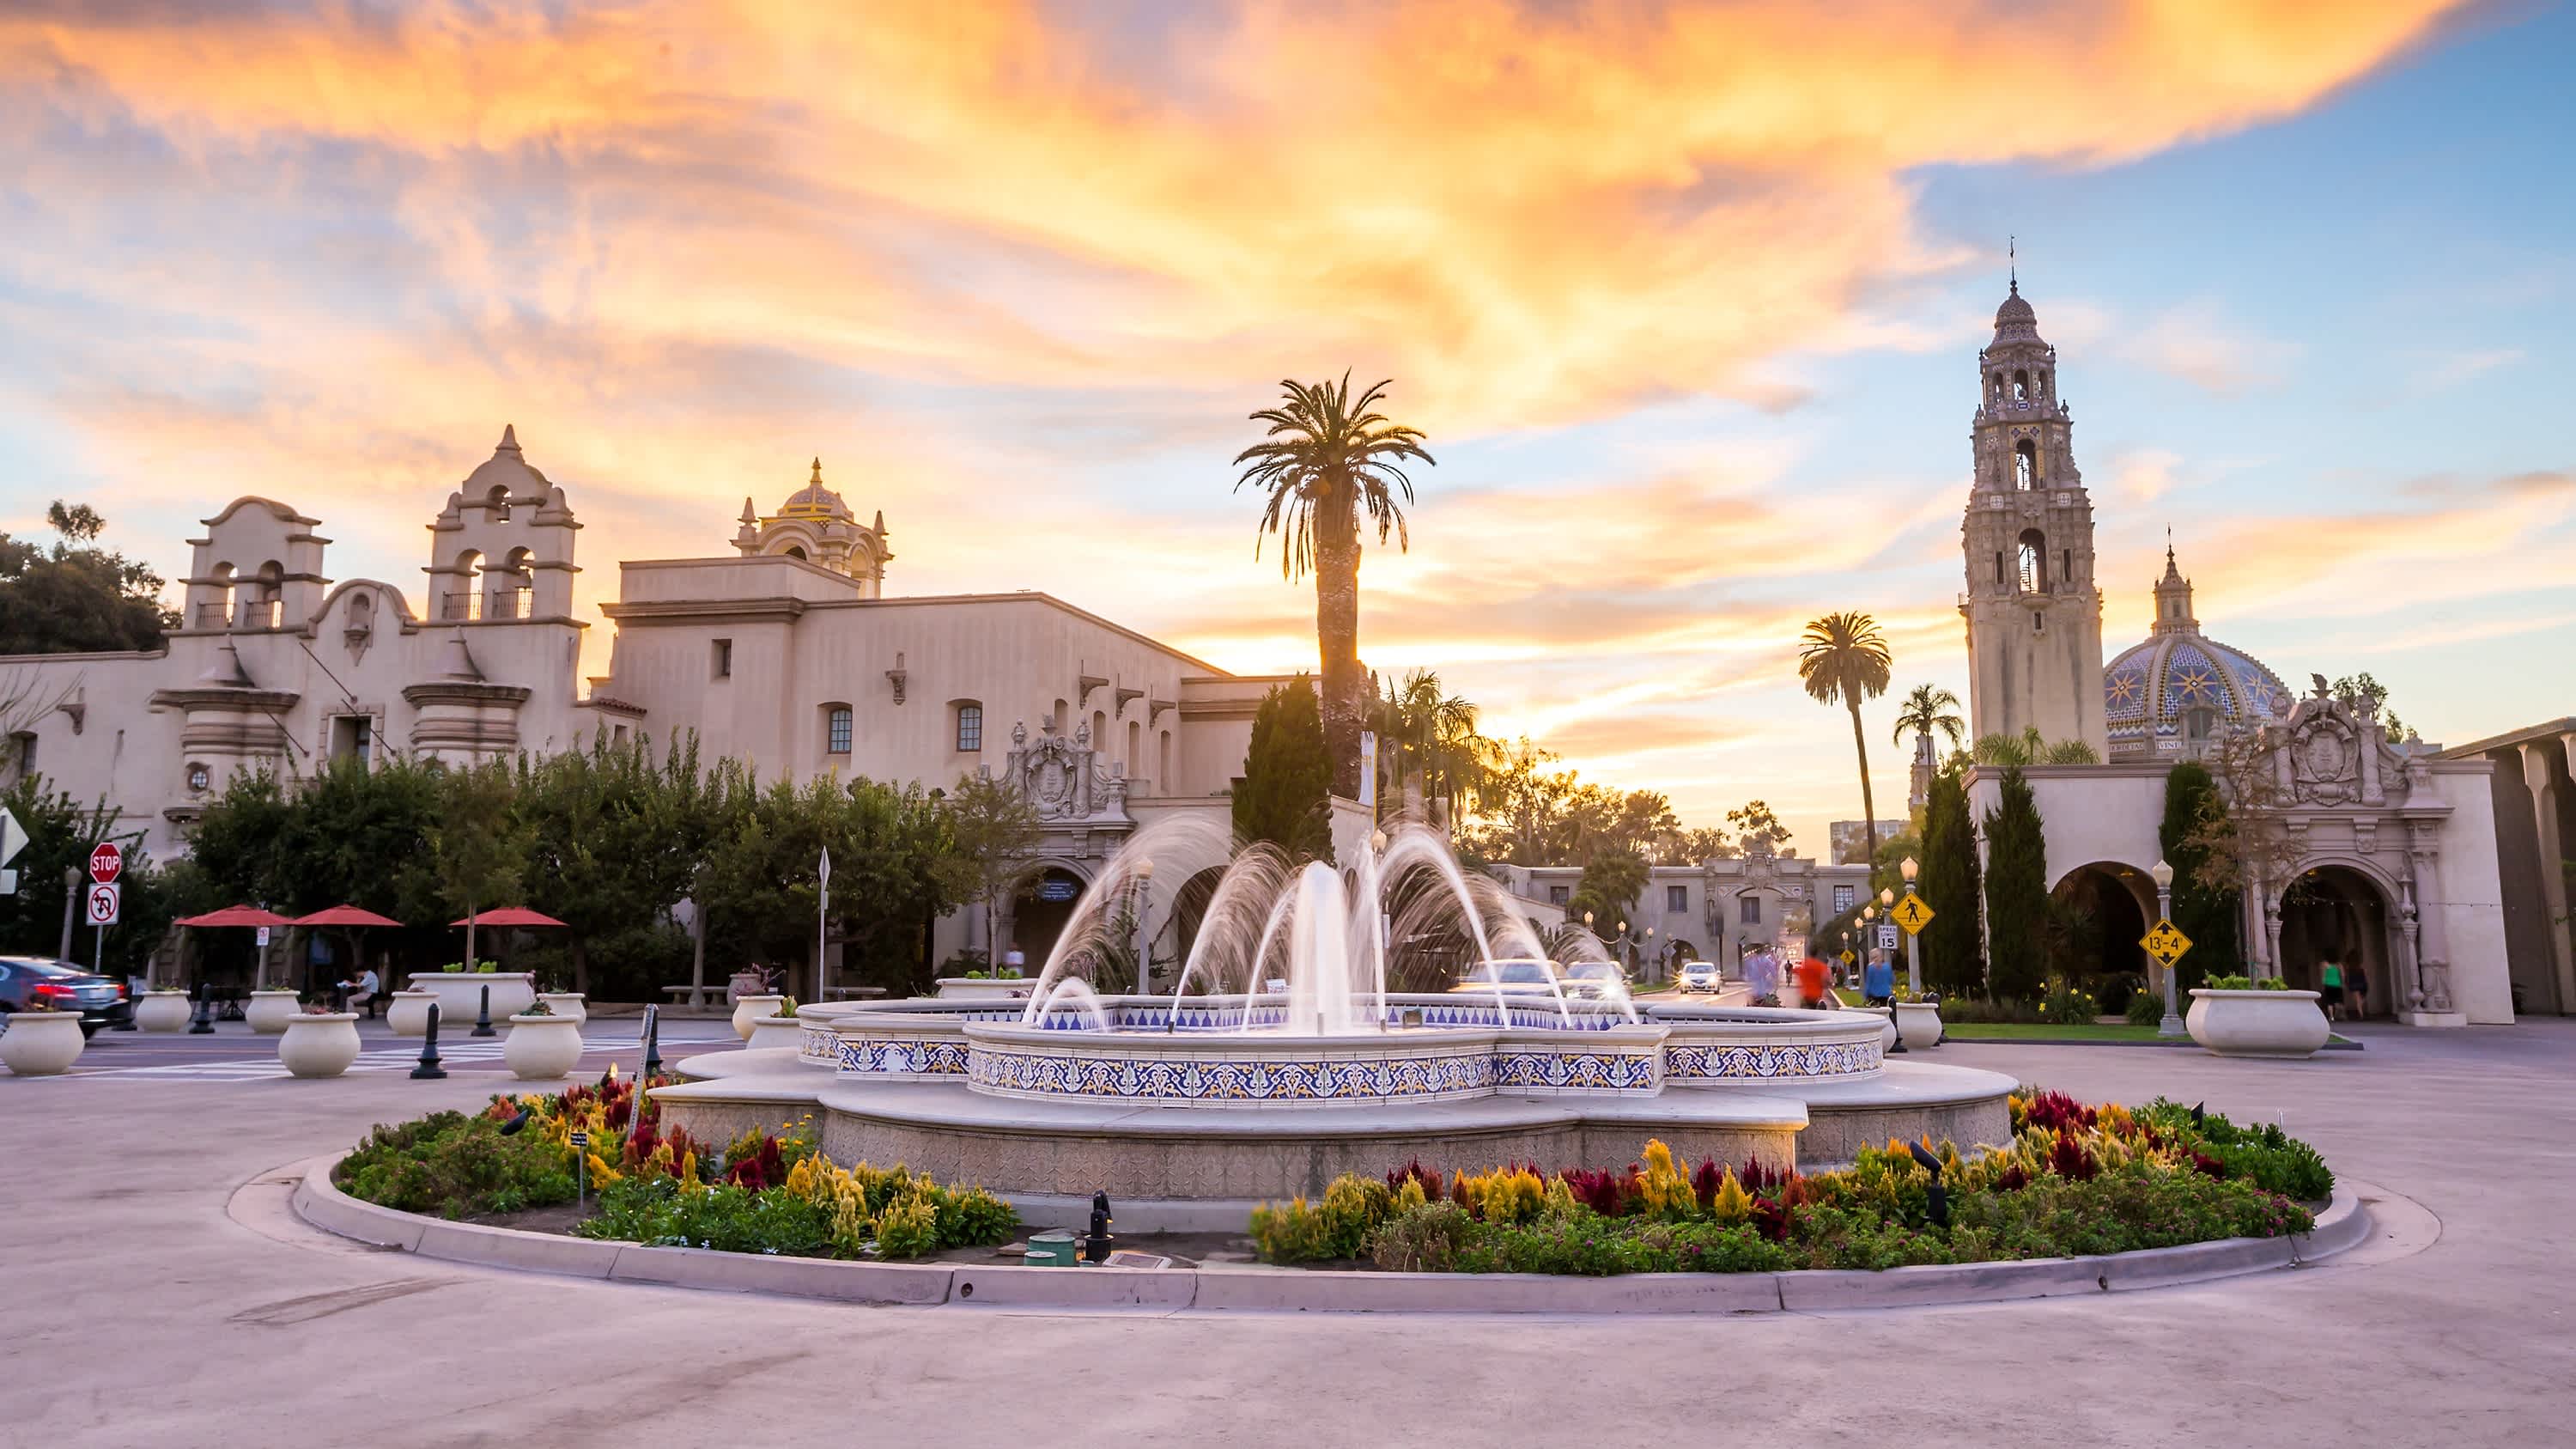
[(105, 862)]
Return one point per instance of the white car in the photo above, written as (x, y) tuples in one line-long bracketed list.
[(1701, 976), (1514, 977), (1593, 980)]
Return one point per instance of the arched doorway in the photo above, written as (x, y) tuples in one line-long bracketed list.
[(2336, 912), (1189, 913), (1039, 912), (2097, 913)]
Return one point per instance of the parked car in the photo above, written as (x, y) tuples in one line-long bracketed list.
[(37, 983), (1594, 980), (1701, 976), (1513, 977)]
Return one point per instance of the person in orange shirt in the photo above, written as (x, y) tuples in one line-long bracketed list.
[(1814, 979)]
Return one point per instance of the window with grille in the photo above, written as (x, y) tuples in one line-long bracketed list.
[(970, 728), (836, 730)]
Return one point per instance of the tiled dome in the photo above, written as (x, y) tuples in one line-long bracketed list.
[(2150, 690), (814, 500)]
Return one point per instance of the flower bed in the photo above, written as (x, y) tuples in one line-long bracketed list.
[(765, 1192), (2076, 1180)]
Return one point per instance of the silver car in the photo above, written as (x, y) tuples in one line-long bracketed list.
[(1512, 977), (1701, 976), (1593, 980)]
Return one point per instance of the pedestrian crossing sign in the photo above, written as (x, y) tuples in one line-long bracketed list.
[(1912, 914)]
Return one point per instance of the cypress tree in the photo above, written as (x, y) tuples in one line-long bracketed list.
[(1953, 956), (2016, 891), (2207, 915), (1287, 775)]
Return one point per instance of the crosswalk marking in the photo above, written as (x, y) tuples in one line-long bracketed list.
[(372, 1059)]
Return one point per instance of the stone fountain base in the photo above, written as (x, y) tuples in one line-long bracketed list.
[(1074, 1147)]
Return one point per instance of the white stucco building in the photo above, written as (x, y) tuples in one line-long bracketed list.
[(2383, 854), (780, 647)]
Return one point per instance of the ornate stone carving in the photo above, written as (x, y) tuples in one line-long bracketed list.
[(1063, 778), (2325, 759)]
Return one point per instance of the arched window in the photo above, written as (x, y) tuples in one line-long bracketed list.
[(261, 605), (1999, 387), (2034, 562), (459, 601), (970, 727), (2025, 465), (1061, 722), (1099, 730), (2021, 387), (1163, 764), (217, 611), (509, 585), (836, 729), (796, 550), (1135, 757)]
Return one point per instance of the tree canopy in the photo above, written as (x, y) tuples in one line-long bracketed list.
[(77, 597), (2016, 892), (1953, 954), (1287, 776)]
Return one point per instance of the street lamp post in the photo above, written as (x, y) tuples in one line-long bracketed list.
[(1144, 942), (2164, 875), (1909, 868)]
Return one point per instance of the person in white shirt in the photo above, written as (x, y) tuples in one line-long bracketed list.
[(360, 993)]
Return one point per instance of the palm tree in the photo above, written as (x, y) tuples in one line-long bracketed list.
[(1926, 712), (1327, 457), (1425, 732), (1843, 659)]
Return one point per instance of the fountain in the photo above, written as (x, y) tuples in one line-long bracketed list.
[(1283, 1055)]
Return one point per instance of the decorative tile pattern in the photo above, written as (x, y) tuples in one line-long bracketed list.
[(1688, 1062), (1572, 1071), (902, 1057), (818, 1045), (1216, 1081)]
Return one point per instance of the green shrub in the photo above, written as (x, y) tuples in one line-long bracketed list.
[(1424, 1239), (2065, 1003), (2146, 1008), (455, 1166), (974, 1218), (2264, 1155), (658, 1213)]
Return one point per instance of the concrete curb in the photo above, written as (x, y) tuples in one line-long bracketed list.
[(2344, 1224)]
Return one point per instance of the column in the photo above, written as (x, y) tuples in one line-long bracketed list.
[(2553, 876), (2433, 959)]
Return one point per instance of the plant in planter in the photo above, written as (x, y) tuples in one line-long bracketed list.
[(2234, 1017), (315, 1041), (40, 1041), (750, 1009), (543, 1045)]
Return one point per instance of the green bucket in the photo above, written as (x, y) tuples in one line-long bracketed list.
[(1051, 1249)]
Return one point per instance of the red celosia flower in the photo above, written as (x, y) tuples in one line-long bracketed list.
[(2069, 1160)]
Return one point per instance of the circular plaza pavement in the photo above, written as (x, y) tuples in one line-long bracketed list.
[(146, 1298)]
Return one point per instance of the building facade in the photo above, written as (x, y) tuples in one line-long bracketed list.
[(2363, 850), (1714, 911), (2534, 804)]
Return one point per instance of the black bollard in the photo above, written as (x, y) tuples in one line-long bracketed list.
[(203, 1022), (483, 1018), (652, 1044), (1095, 1248), (429, 1069)]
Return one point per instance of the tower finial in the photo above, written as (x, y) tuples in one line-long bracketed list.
[(2169, 558), (2012, 263), (817, 479)]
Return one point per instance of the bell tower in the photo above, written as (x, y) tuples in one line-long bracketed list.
[(2034, 614)]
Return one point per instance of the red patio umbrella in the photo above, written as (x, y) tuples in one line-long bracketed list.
[(349, 918), (239, 916), (506, 916)]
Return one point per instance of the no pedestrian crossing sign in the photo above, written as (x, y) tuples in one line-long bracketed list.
[(1912, 914), (2164, 943), (106, 862), (101, 904)]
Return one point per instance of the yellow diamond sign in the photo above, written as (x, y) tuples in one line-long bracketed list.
[(1847, 957), (1912, 914), (2165, 944)]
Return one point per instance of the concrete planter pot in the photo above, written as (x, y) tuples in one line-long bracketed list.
[(1918, 1025), (1887, 1037), (319, 1045), (41, 1043), (542, 1048), (460, 992), (951, 987), (2284, 1024), (750, 1009), (408, 1013), (269, 1011), (776, 1031), (162, 1011), (567, 1004)]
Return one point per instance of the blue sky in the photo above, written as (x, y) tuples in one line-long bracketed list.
[(1688, 297)]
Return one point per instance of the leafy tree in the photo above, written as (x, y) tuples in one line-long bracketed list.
[(1287, 775), (479, 846), (60, 835), (77, 597), (1953, 958), (1327, 458), (2016, 891), (241, 841), (2368, 699), (1518, 802), (2207, 913), (996, 832), (1429, 736), (1702, 843), (1612, 880), (1842, 659), (615, 837), (1754, 818), (893, 873)]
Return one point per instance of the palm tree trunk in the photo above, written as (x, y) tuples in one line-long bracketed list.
[(1342, 688), (1868, 810)]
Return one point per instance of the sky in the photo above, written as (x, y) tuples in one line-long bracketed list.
[(1687, 298)]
